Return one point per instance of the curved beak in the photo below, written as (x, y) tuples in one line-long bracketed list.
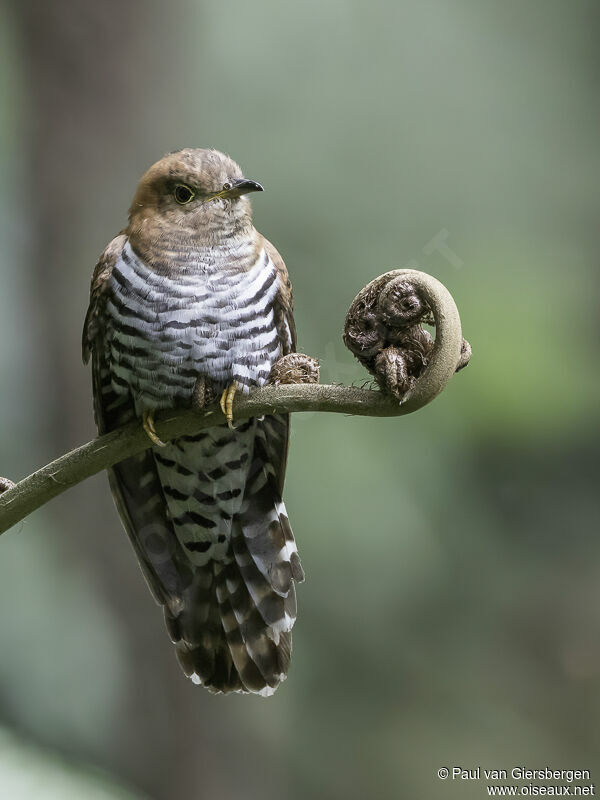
[(243, 186)]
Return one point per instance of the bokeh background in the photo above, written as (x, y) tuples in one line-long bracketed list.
[(451, 612)]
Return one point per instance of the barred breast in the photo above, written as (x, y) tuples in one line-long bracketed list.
[(162, 333)]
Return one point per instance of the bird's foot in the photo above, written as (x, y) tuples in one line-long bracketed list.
[(226, 402), (148, 424)]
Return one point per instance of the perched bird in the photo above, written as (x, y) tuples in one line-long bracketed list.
[(190, 300)]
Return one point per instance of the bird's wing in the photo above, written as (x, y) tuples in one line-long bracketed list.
[(283, 305), (277, 430), (100, 278), (134, 482)]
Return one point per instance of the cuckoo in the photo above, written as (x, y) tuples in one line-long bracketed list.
[(191, 301)]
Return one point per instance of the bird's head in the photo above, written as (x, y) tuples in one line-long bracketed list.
[(194, 194)]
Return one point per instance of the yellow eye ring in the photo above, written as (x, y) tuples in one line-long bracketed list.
[(183, 194)]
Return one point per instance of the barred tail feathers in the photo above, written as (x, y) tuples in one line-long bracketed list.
[(234, 631)]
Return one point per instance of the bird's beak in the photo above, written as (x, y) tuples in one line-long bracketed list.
[(243, 186)]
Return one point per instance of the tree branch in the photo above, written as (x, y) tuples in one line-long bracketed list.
[(17, 501)]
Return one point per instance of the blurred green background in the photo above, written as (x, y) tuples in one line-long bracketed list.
[(451, 612)]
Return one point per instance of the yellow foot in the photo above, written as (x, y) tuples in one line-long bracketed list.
[(148, 423), (226, 403)]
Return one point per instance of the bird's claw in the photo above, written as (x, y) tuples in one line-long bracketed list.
[(148, 424), (226, 403)]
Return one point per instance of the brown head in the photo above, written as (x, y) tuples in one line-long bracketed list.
[(189, 199)]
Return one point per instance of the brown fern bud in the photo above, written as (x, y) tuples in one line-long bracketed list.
[(294, 368), (384, 331), (399, 305)]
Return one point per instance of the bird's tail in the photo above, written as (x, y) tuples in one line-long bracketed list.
[(234, 631)]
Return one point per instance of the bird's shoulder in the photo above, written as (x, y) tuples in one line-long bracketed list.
[(100, 279)]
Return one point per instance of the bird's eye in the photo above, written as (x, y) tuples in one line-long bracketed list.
[(226, 186), (183, 194)]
